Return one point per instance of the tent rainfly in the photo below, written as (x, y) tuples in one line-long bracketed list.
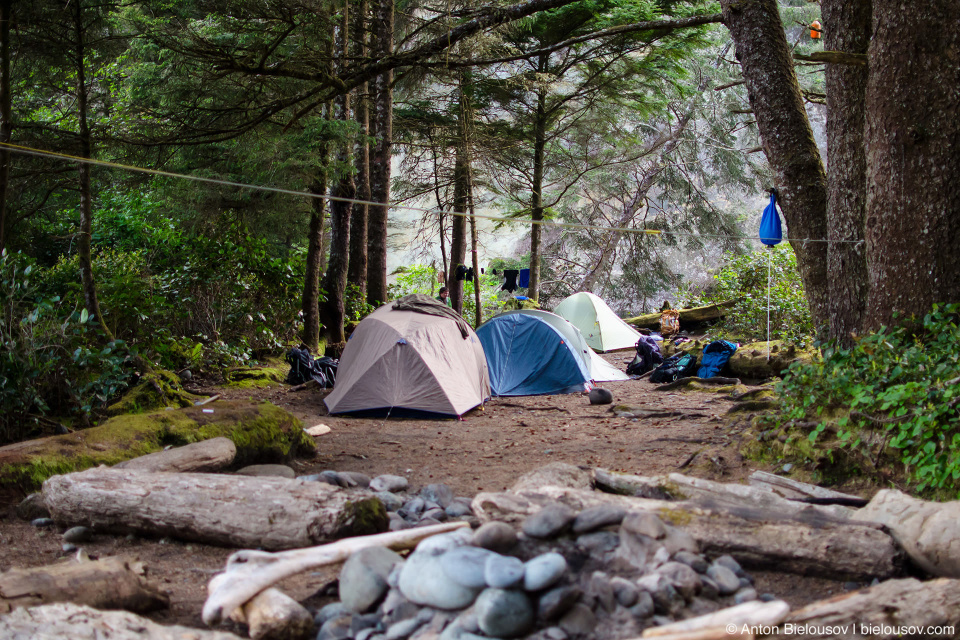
[(402, 361), (602, 328), (532, 352)]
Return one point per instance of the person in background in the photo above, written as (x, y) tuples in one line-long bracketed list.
[(444, 296)]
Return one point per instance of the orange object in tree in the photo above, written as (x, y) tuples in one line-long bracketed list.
[(815, 29)]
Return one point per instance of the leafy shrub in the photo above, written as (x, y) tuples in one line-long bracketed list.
[(423, 279), (894, 392), (744, 278), (51, 359)]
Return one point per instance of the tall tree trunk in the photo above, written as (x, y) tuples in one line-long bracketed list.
[(90, 300), (6, 114), (786, 137), (380, 170), (458, 241), (536, 195), (333, 310), (357, 271), (310, 303), (913, 173), (846, 26)]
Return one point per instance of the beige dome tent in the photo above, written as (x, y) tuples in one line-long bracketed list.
[(601, 327), (403, 361)]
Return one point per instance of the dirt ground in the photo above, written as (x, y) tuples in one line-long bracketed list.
[(485, 451)]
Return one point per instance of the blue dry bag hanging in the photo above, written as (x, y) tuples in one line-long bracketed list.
[(770, 232)]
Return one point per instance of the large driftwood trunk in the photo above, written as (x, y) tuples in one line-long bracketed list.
[(804, 543), (894, 604), (77, 622), (206, 455), (110, 583), (228, 510)]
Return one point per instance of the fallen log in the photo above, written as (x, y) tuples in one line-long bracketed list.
[(109, 583), (207, 455), (796, 490), (805, 543), (79, 622), (225, 510), (891, 609), (687, 316), (271, 614), (250, 572), (748, 614)]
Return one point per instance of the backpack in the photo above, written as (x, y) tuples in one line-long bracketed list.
[(682, 365), (669, 322), (648, 356), (715, 357), (304, 368)]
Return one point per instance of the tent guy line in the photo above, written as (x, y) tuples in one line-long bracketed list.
[(432, 211)]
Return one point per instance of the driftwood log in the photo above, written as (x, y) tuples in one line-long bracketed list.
[(801, 491), (806, 543), (887, 610), (271, 615), (227, 510), (79, 622), (715, 625), (110, 583), (207, 455), (251, 572)]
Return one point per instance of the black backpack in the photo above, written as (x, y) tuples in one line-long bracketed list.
[(682, 365), (648, 356), (304, 368)]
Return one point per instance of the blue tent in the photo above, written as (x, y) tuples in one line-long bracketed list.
[(526, 356)]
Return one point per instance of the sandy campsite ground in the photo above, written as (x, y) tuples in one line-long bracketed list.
[(485, 451)]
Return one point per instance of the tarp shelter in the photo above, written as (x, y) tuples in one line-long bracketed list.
[(407, 361), (601, 327), (532, 352)]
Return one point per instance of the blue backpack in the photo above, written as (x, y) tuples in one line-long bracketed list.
[(715, 357)]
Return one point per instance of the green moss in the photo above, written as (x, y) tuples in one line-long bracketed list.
[(254, 377), (676, 517), (752, 406), (156, 390), (261, 432), (754, 394), (362, 517)]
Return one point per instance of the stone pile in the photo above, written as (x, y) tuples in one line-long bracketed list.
[(602, 573)]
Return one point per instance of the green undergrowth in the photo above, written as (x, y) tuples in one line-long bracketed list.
[(158, 389), (261, 432), (887, 408), (257, 377)]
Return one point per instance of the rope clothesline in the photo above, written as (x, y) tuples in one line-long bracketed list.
[(432, 211)]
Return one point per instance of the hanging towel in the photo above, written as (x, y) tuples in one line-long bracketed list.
[(524, 278), (770, 232)]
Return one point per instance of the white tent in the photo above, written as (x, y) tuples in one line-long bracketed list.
[(405, 360), (600, 370), (601, 327)]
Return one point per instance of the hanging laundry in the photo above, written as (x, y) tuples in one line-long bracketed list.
[(511, 280), (524, 278), (770, 231), (460, 273), (468, 276)]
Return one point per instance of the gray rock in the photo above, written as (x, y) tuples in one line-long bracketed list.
[(329, 612), (268, 470), (436, 545), (667, 600), (503, 572), (660, 556), (403, 629), (496, 536), (600, 589), (398, 523), (693, 560), (389, 483), (413, 507), (593, 518), (555, 633), (332, 477), (747, 594), (391, 501), (579, 621), (745, 582), (645, 524), (77, 534), (683, 578), (543, 571), (356, 479), (624, 591), (42, 522), (436, 513), (708, 588), (367, 634), (423, 581), (701, 606), (678, 540), (366, 621), (599, 395), (504, 613), (644, 607), (555, 474), (395, 607), (32, 507), (598, 542), (550, 521), (730, 563), (459, 507), (556, 602), (465, 565), (726, 580), (68, 547), (363, 578), (439, 493), (335, 628), (427, 522)]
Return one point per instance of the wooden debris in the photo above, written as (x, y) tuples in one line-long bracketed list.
[(109, 583), (748, 614), (271, 615), (796, 490), (225, 510), (250, 572), (207, 455)]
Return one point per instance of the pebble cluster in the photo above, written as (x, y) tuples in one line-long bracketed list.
[(601, 573)]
